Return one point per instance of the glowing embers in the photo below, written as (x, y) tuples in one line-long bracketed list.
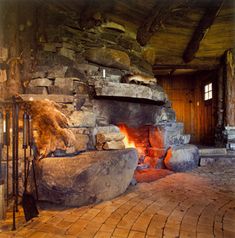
[(149, 142)]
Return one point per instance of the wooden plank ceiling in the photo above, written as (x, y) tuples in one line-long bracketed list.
[(172, 28)]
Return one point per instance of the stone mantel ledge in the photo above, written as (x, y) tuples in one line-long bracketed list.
[(110, 89)]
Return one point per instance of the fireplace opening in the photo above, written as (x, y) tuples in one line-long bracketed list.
[(148, 141)]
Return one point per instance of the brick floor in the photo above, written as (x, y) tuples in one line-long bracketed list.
[(198, 204)]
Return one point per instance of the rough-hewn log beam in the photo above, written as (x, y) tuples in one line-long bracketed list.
[(157, 17), (205, 23), (199, 64), (153, 22)]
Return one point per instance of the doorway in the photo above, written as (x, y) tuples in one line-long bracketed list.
[(208, 112), (194, 101)]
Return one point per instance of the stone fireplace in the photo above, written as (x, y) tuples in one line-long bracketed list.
[(124, 133), (99, 115), (104, 114)]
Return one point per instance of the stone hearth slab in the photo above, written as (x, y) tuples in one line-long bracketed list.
[(217, 160), (212, 151), (86, 178), (110, 89)]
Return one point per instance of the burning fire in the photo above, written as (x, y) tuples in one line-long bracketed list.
[(127, 141)]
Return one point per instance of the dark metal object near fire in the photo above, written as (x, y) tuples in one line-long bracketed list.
[(28, 201), (9, 118)]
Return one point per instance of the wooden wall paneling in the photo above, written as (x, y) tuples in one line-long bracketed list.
[(180, 90), (186, 93)]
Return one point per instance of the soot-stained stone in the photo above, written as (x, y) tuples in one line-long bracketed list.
[(131, 113), (86, 178)]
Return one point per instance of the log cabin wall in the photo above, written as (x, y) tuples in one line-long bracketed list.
[(186, 92), (180, 91)]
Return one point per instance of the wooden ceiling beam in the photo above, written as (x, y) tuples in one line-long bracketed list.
[(184, 66), (201, 30), (198, 64), (156, 19), (153, 22)]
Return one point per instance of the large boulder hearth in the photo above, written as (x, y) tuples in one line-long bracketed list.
[(86, 178)]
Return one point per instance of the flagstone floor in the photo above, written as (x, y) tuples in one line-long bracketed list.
[(198, 204)]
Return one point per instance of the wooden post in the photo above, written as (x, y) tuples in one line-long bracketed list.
[(220, 112), (11, 40), (229, 89), (219, 138), (2, 201), (27, 40)]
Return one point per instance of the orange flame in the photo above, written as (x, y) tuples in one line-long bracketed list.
[(127, 141)]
